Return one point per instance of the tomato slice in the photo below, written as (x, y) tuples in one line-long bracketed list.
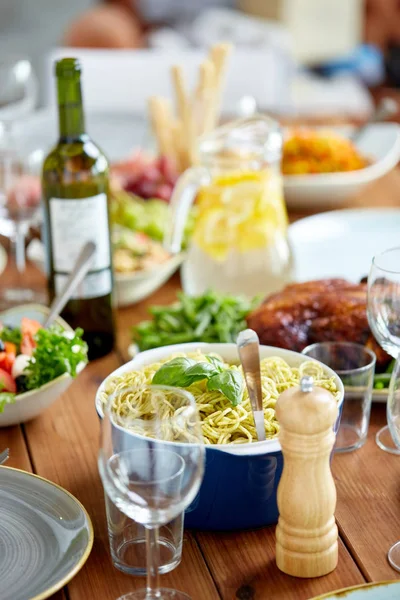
[(29, 328), (7, 383), (27, 345), (7, 361)]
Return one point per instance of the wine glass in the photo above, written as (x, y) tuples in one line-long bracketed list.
[(384, 316), (151, 463), (18, 88), (393, 418), (20, 194)]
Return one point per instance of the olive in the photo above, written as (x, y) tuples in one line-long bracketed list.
[(21, 381)]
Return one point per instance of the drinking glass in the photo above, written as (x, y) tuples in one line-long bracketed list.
[(393, 418), (355, 365), (127, 540), (151, 463), (384, 316), (20, 195)]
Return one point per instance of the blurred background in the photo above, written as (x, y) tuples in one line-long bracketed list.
[(307, 56)]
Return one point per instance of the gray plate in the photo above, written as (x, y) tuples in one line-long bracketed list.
[(45, 536)]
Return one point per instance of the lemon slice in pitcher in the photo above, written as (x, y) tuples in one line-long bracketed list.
[(239, 211)]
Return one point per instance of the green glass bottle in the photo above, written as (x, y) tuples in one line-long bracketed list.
[(75, 182)]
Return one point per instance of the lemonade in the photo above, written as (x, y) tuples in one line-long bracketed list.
[(239, 242), (240, 211)]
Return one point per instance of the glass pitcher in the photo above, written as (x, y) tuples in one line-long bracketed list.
[(239, 243)]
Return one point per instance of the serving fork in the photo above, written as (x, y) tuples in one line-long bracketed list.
[(4, 456)]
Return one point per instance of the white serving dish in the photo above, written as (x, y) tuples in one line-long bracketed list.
[(380, 142), (134, 287), (129, 287), (31, 404), (342, 243)]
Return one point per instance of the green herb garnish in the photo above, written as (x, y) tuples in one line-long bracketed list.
[(230, 383), (183, 372), (13, 335), (210, 318), (54, 355)]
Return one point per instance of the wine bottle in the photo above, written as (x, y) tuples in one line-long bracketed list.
[(75, 182)]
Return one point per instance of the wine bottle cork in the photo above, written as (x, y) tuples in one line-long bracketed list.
[(306, 534)]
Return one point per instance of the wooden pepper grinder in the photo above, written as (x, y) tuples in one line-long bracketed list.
[(306, 534)]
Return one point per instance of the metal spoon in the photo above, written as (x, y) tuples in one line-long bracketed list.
[(386, 108), (4, 456), (249, 352), (79, 271)]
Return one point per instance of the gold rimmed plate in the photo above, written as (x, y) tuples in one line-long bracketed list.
[(45, 536), (381, 590)]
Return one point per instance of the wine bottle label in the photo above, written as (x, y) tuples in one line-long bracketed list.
[(93, 285), (73, 223)]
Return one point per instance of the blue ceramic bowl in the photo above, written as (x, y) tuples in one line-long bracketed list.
[(240, 482)]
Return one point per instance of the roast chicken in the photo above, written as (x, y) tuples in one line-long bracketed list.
[(316, 311)]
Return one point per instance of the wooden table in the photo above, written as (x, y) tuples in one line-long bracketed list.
[(62, 444)]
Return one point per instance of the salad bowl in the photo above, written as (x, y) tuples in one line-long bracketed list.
[(134, 287), (30, 404), (129, 287), (240, 481)]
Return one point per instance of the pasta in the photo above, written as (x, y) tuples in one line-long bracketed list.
[(222, 423)]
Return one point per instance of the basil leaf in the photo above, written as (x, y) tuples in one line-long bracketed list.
[(173, 372), (230, 383), (216, 362), (200, 371), (6, 398)]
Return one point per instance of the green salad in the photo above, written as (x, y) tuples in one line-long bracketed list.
[(31, 356), (145, 216)]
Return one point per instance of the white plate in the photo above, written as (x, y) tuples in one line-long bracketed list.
[(342, 243), (380, 142)]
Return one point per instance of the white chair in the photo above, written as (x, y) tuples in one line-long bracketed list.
[(122, 80)]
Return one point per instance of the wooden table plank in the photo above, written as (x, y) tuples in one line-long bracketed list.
[(64, 444), (243, 565), (368, 511), (12, 438)]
